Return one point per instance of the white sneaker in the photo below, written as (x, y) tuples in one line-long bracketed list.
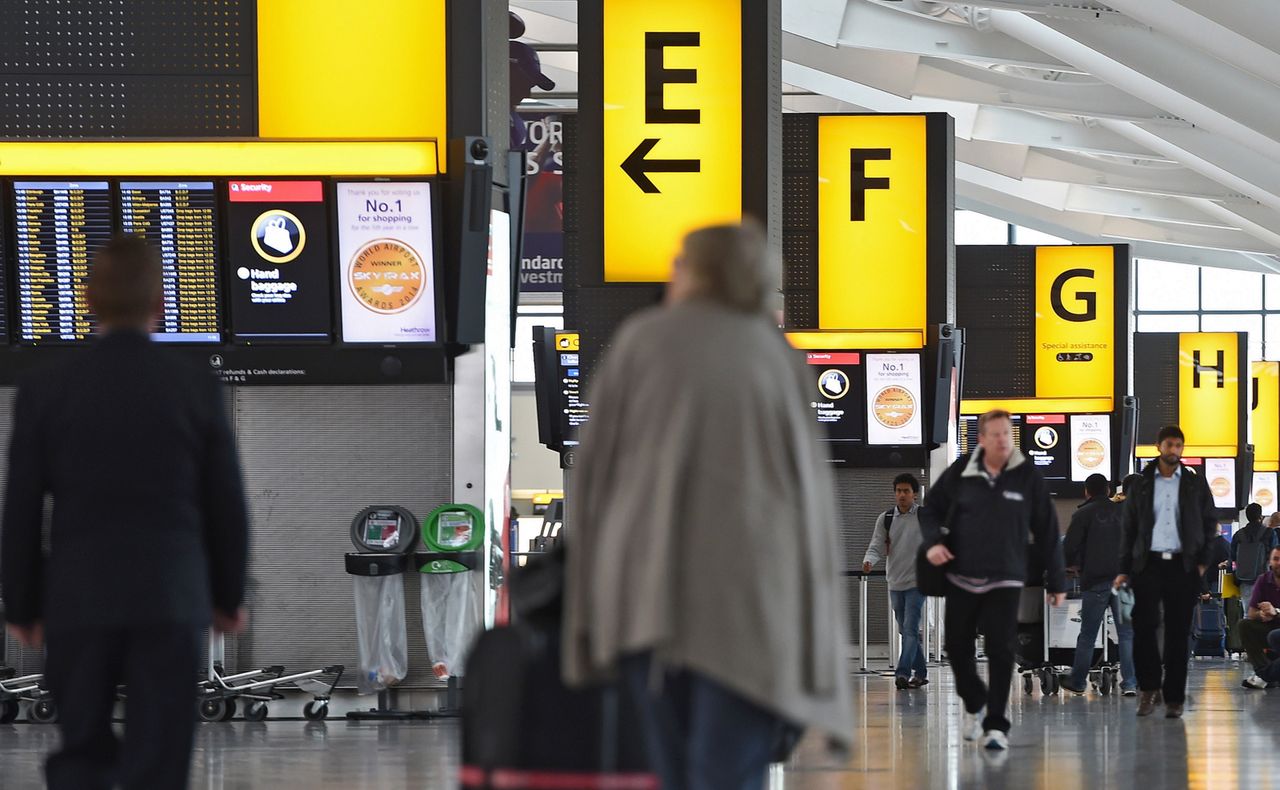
[(996, 740), (1254, 682), (971, 725)]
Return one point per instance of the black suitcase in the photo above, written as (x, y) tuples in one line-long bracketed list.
[(1234, 614), (1209, 629), (522, 727)]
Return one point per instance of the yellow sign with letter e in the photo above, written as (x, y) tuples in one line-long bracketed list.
[(672, 129)]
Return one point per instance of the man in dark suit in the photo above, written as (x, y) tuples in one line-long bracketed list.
[(1169, 526), (149, 534)]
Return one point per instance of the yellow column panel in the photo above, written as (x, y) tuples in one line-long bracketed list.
[(873, 221), (1208, 403), (1265, 426), (339, 69), (1075, 322), (672, 129)]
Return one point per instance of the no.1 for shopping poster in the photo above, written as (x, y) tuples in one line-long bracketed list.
[(385, 251)]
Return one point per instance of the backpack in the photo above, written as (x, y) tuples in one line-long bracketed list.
[(1251, 558)]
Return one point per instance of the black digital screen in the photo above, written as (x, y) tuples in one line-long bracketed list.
[(1046, 441), (968, 433), (179, 219), (59, 226), (278, 261), (837, 395), (4, 269)]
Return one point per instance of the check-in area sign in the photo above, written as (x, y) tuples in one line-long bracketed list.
[(1075, 321), (672, 128), (873, 215)]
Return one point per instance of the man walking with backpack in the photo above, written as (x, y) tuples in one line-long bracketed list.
[(896, 540), (1093, 546), (1249, 549)]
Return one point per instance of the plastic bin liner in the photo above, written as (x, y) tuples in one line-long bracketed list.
[(450, 619), (381, 630)]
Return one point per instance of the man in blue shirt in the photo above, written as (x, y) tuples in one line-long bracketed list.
[(1169, 526)]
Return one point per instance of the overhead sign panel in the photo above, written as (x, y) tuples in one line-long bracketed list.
[(1209, 389), (1265, 425), (1075, 322), (873, 194), (672, 129), (1046, 328)]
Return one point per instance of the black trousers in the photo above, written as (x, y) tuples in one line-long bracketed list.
[(1167, 583), (995, 616), (159, 664)]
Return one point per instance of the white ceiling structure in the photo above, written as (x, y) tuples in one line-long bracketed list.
[(1152, 122)]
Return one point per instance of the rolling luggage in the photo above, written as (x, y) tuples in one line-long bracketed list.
[(1209, 629), (1234, 614), (522, 727)]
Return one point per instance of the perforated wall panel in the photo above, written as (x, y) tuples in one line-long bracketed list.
[(862, 495), (1155, 381), (800, 221), (313, 457), (128, 68), (996, 303)]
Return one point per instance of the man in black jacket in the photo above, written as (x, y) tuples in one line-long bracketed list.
[(992, 504), (1092, 547), (148, 541), (1164, 550)]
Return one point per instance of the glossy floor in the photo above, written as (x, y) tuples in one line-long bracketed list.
[(910, 739)]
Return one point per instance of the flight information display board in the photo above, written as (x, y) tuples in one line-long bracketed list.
[(179, 219), (59, 225), (278, 257)]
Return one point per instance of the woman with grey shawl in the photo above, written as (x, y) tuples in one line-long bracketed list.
[(702, 540)]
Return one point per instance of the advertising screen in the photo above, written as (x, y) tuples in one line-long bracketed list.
[(179, 218), (386, 262), (278, 258), (59, 225), (1221, 474), (837, 393), (1264, 491), (1090, 446), (894, 402)]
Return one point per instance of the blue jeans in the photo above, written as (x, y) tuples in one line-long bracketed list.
[(1096, 600), (908, 605), (699, 735)]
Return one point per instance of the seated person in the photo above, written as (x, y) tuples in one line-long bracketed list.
[(1271, 672), (1263, 619)]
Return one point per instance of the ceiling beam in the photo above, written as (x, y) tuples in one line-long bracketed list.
[(869, 25), (1192, 29), (1048, 37)]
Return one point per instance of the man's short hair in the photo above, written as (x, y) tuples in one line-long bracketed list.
[(1130, 483), (125, 281), (1274, 549), (994, 414), (1253, 511), (1170, 432), (1096, 485), (909, 479)]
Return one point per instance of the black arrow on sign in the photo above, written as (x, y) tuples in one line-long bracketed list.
[(638, 167)]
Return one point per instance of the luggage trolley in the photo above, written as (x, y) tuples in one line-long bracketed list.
[(15, 689), (1060, 632), (259, 687)]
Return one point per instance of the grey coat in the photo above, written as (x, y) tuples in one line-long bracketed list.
[(702, 522)]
